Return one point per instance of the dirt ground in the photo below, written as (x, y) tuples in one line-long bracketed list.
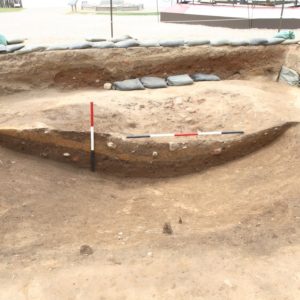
[(225, 105), (236, 227), (239, 237)]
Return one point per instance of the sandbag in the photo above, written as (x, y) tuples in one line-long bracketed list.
[(15, 41), (3, 40), (205, 77), (80, 46), (197, 42), (171, 43), (287, 35), (153, 82), (239, 43), (258, 41), (30, 49), (128, 85), (275, 41), (218, 43), (3, 49), (122, 38), (57, 47), (291, 42), (290, 76), (13, 48), (149, 44), (95, 39), (127, 43), (103, 45), (179, 80)]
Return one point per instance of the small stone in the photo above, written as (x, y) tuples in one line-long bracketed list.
[(228, 283), (180, 221), (44, 154), (66, 154), (173, 146), (111, 258), (111, 145), (190, 110), (154, 154), (107, 86), (150, 254), (217, 151), (97, 80), (167, 229), (86, 250), (178, 101)]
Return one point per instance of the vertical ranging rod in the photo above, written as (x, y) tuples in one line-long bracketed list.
[(92, 154)]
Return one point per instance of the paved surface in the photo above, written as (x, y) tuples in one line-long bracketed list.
[(58, 25)]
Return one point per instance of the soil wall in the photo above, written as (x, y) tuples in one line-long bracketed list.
[(93, 67)]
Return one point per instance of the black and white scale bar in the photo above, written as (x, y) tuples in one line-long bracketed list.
[(181, 134), (92, 153)]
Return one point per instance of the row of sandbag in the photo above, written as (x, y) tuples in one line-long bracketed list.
[(150, 82), (285, 37), (165, 43), (16, 45), (9, 46), (128, 42)]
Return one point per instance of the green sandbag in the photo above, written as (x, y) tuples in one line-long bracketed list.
[(289, 76), (128, 85), (287, 35), (3, 40)]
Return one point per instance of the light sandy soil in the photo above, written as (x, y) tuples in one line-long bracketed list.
[(225, 105), (54, 26)]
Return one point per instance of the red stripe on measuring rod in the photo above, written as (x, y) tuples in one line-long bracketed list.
[(187, 134), (92, 113)]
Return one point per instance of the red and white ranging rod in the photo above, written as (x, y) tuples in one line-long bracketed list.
[(92, 153), (181, 134)]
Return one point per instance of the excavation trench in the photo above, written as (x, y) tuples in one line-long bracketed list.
[(120, 157), (93, 67), (240, 102)]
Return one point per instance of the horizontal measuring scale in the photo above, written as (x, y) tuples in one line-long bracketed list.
[(181, 134)]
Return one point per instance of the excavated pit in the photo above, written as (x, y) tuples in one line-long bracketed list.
[(136, 159), (45, 110)]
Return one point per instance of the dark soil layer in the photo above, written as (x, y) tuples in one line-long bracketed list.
[(127, 158)]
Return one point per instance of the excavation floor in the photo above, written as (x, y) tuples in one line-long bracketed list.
[(225, 105), (239, 237)]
